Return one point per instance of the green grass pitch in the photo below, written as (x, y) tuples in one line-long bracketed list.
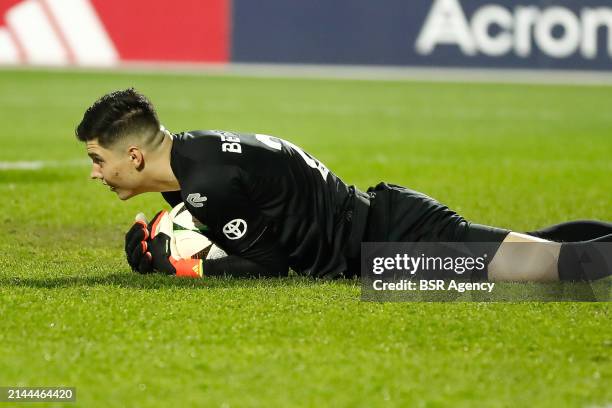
[(515, 156)]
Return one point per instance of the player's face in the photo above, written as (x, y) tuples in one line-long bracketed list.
[(115, 168)]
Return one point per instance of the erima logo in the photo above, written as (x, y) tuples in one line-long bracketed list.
[(494, 30), (196, 200), (235, 228)]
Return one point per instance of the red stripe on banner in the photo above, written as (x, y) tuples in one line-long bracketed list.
[(58, 31), (21, 55), (177, 31)]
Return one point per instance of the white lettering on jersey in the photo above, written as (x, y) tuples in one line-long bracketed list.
[(231, 147), (232, 142), (274, 143)]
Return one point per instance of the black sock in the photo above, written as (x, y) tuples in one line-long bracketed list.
[(574, 231), (585, 261), (605, 238)]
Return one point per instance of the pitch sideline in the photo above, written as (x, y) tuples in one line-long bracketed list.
[(41, 164), (345, 72)]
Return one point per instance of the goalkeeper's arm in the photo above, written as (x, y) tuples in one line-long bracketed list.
[(147, 254), (238, 267)]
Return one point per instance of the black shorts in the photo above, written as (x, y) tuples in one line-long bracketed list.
[(398, 214)]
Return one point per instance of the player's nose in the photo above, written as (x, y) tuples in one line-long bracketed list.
[(95, 173)]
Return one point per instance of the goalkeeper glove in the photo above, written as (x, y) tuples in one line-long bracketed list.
[(154, 248), (137, 248)]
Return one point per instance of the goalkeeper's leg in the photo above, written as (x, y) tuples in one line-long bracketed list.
[(398, 214), (574, 231), (527, 258)]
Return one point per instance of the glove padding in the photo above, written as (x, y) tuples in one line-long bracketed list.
[(137, 248), (151, 248)]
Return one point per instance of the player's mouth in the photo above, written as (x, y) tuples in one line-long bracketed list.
[(112, 188)]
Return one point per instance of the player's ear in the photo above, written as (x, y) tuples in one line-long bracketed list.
[(136, 156)]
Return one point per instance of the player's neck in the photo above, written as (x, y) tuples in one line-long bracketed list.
[(160, 176)]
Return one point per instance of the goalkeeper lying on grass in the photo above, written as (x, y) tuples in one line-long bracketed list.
[(271, 206)]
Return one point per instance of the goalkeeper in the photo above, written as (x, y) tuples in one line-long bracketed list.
[(271, 206)]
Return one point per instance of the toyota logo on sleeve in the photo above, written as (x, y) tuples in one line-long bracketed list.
[(235, 229)]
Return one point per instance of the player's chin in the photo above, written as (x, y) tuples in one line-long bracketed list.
[(124, 194)]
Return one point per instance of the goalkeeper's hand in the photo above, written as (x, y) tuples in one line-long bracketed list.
[(137, 247), (153, 249)]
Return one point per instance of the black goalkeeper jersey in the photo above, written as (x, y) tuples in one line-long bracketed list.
[(264, 199)]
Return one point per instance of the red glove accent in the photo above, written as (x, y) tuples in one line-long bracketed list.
[(156, 221), (136, 248), (191, 268)]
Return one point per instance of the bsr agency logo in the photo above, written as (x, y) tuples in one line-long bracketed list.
[(494, 30)]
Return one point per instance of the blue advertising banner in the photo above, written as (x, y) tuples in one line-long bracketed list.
[(546, 34)]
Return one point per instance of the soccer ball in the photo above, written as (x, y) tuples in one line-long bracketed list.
[(189, 238), (186, 238)]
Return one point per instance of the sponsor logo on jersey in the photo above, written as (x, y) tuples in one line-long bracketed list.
[(196, 200), (235, 229)]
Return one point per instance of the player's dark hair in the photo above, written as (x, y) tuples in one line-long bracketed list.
[(119, 114)]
